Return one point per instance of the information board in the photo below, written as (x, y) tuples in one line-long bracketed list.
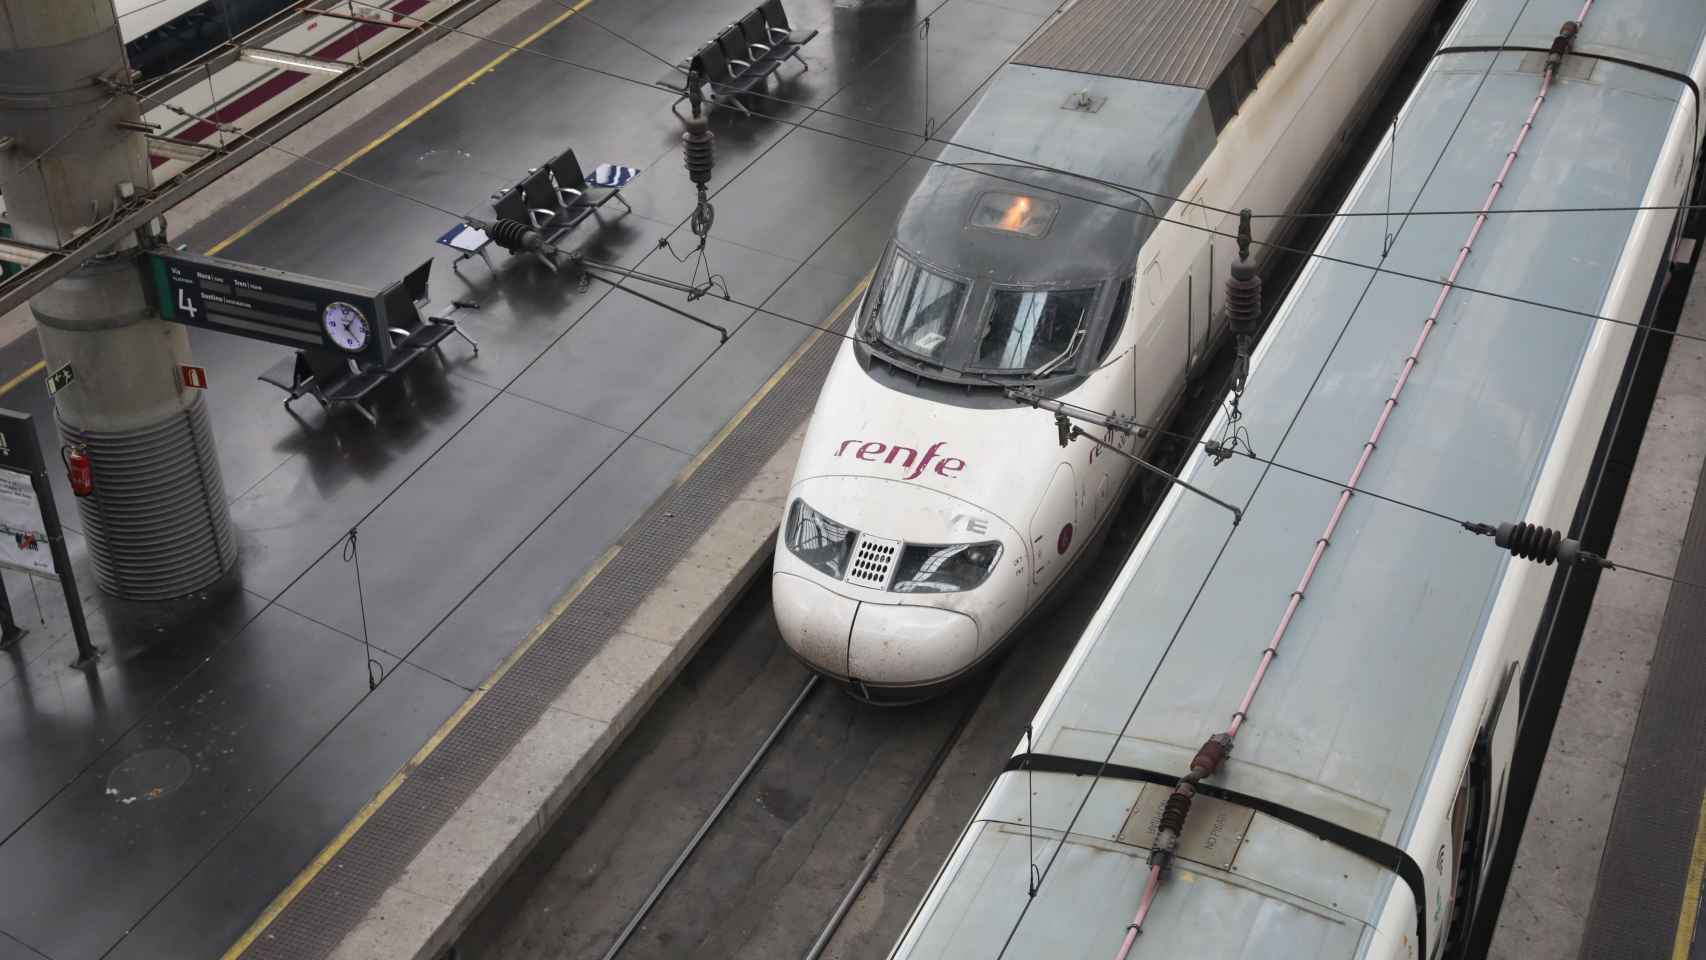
[(265, 304)]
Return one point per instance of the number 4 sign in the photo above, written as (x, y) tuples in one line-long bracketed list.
[(193, 377)]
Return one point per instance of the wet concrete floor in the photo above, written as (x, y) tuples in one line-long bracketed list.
[(154, 806)]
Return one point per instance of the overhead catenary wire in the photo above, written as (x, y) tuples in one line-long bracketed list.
[(1375, 268), (987, 381), (1100, 418), (819, 109), (229, 128)]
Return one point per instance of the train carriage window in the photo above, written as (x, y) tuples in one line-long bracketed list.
[(1029, 328), (916, 309), (1116, 319)]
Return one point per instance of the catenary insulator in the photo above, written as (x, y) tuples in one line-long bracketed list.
[(1210, 756), (1533, 542), (698, 149), (513, 235), (1243, 298)]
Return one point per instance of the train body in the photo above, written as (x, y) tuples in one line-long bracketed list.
[(1356, 813), (928, 514), (162, 35)]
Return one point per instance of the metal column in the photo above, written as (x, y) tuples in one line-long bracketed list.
[(157, 522)]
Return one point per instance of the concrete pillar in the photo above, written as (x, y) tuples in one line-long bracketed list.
[(157, 524)]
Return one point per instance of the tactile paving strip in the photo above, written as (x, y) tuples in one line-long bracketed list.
[(339, 896)]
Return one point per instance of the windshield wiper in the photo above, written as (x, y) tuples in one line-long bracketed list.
[(1067, 354)]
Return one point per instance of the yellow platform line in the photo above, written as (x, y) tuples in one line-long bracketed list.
[(770, 384), (31, 371), (337, 844), (1691, 890), (339, 167)]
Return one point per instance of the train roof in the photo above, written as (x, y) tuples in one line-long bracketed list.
[(1147, 136), (1182, 42), (1087, 241), (1348, 722)]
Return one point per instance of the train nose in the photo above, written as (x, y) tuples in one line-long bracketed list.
[(877, 644), (814, 621), (907, 646)]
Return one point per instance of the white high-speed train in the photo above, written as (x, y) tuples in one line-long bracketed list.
[(1354, 814), (928, 514), (160, 35)]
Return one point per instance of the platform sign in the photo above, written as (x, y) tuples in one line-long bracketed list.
[(274, 305)]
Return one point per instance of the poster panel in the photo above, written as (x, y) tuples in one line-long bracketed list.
[(23, 541)]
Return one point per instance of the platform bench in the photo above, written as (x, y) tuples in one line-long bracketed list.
[(335, 379), (556, 198), (743, 57)]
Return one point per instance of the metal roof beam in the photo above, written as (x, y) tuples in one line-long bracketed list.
[(21, 287)]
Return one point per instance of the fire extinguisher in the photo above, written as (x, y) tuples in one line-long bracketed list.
[(77, 470)]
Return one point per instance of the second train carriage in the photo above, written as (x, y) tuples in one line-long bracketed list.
[(1356, 811)]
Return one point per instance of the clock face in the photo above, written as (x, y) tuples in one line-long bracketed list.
[(346, 325)]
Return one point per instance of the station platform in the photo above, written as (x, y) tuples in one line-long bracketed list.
[(546, 528), (1611, 856)]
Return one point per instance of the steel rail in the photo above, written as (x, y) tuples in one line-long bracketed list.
[(704, 828), (881, 850)]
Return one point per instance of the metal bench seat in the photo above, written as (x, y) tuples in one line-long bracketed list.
[(742, 58), (727, 82), (784, 41)]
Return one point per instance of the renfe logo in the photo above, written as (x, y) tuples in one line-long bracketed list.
[(872, 451)]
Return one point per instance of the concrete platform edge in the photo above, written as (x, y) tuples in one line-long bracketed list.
[(449, 881)]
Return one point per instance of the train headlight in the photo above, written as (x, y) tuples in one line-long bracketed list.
[(818, 540), (944, 568)]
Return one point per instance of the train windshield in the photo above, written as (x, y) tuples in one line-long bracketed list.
[(917, 309), (1031, 329)]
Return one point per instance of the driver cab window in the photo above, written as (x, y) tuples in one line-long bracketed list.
[(917, 309), (1030, 328)]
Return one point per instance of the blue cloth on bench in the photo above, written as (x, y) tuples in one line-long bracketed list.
[(611, 175)]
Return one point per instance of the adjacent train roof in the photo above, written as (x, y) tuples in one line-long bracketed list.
[(1182, 42), (1349, 720)]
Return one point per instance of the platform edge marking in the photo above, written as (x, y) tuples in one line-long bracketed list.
[(1691, 890), (337, 843), (29, 372), (764, 389), (432, 104)]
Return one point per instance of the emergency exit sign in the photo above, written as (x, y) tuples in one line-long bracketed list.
[(60, 379)]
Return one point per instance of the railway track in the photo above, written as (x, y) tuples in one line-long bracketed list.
[(744, 781)]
